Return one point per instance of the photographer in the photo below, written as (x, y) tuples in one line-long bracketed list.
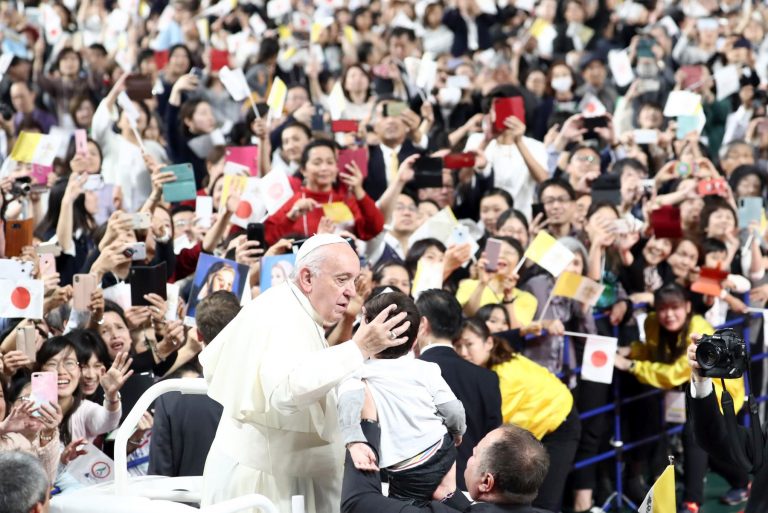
[(712, 434)]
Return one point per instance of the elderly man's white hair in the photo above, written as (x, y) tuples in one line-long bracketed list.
[(308, 256)]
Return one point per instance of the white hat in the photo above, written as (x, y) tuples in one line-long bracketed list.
[(316, 241)]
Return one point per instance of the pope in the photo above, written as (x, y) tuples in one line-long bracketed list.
[(274, 373)]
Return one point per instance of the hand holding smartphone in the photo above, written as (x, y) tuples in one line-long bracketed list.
[(44, 388), (83, 287), (492, 254)]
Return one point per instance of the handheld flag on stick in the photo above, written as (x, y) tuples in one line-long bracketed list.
[(661, 497)]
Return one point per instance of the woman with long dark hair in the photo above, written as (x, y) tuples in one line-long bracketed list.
[(661, 362)]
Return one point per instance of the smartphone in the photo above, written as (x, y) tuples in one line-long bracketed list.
[(381, 71), (459, 160), (44, 388), (18, 234), (683, 169), (81, 142), (138, 87), (204, 210), (47, 264), (256, 232), (136, 251), (394, 109), (595, 122), (25, 342), (318, 123), (141, 220), (93, 183), (536, 209), (148, 280), (197, 72), (492, 253), (83, 286), (48, 248), (344, 125), (504, 108), (648, 85), (433, 164)]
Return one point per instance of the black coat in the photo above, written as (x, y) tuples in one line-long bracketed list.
[(712, 434), (376, 182), (182, 434), (478, 390), (361, 491)]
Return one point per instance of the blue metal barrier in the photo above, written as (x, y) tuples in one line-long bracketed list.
[(619, 447)]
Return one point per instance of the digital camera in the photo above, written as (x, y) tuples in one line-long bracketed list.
[(722, 354)]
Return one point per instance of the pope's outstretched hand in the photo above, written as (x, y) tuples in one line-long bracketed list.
[(375, 336)]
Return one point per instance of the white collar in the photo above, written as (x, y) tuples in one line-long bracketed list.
[(436, 344)]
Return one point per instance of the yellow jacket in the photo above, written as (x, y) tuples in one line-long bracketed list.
[(524, 305), (531, 396), (651, 369)]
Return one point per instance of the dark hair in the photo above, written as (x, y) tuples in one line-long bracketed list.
[(710, 245), (88, 343), (214, 312), (51, 348), (76, 102), (344, 79), (186, 112), (514, 243), (557, 182), (190, 57), (628, 163), (376, 304), (500, 352), (671, 345), (378, 272), (507, 214), (301, 126), (268, 49), (81, 218), (145, 55), (594, 207), (417, 250), (443, 312), (99, 48), (518, 462), (63, 53), (318, 143), (744, 171), (111, 306), (402, 31), (496, 191), (72, 152), (484, 313), (580, 147), (711, 205)]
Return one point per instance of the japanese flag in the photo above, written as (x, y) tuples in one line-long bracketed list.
[(251, 208), (275, 190), (22, 298), (599, 354)]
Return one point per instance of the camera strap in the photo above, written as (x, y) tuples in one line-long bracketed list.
[(732, 425)]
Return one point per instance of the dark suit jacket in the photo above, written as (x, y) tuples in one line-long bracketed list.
[(182, 434), (454, 21), (361, 491), (376, 182), (712, 434), (478, 389)]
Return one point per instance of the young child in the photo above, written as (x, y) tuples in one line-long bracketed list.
[(414, 405), (715, 255)]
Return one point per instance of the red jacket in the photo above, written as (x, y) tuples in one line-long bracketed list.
[(368, 223)]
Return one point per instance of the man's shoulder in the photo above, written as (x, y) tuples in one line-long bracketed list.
[(486, 507)]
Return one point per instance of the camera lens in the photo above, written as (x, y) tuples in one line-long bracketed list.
[(708, 355)]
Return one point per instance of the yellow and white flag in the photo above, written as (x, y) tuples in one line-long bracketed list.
[(276, 99), (661, 497), (35, 148), (549, 253), (578, 287)]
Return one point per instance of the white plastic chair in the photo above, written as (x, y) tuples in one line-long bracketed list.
[(150, 494)]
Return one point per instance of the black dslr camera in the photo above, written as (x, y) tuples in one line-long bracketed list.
[(722, 355)]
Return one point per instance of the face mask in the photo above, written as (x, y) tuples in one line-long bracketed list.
[(562, 84), (449, 96)]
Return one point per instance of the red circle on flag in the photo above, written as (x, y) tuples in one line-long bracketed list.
[(599, 358), (244, 210), (275, 190), (20, 298)]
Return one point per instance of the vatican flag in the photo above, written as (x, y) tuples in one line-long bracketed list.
[(661, 497)]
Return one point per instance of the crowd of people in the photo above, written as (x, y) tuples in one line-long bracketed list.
[(440, 138)]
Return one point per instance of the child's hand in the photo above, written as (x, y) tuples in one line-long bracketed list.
[(362, 456), (457, 438)]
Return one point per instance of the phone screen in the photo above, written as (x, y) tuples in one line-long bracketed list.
[(492, 253)]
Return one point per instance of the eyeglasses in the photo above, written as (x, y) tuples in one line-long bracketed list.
[(53, 365), (585, 158), (563, 200)]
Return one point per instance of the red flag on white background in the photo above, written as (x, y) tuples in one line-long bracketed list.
[(22, 298), (599, 355)]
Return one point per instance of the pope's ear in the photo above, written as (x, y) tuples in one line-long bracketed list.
[(305, 279)]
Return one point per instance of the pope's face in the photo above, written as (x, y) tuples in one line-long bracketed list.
[(334, 286)]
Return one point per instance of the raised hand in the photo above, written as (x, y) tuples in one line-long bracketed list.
[(114, 379)]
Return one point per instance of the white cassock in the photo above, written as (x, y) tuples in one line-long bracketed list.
[(272, 370)]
